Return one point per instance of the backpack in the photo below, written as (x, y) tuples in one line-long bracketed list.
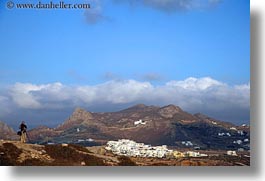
[(19, 133)]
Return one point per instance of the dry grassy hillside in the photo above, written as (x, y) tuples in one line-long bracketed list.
[(13, 153)]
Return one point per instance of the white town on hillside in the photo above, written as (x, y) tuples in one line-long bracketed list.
[(131, 148)]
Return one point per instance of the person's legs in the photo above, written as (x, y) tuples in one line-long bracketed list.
[(23, 137)]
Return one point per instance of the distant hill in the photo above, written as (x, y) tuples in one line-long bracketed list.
[(6, 132), (168, 125)]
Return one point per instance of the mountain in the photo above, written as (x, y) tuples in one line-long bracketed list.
[(168, 125), (79, 116), (42, 134), (6, 132)]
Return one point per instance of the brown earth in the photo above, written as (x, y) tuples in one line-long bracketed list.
[(18, 154)]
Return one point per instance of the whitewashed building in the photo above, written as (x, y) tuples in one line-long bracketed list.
[(131, 148), (213, 122), (239, 142), (187, 143), (233, 128), (139, 122), (231, 153), (194, 154)]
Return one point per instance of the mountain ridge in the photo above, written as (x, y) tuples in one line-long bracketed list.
[(155, 125)]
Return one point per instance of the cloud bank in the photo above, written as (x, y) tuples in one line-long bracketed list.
[(204, 95)]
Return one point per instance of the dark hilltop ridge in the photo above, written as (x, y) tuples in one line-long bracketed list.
[(168, 125)]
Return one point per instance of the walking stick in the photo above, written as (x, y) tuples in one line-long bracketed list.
[(27, 136)]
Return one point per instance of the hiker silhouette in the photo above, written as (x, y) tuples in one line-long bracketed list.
[(23, 130)]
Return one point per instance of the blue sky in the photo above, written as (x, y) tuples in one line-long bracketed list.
[(147, 41)]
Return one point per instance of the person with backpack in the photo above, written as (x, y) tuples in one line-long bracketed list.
[(23, 132)]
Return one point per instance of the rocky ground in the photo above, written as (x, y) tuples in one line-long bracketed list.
[(13, 153)]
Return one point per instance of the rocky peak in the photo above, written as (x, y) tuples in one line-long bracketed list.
[(169, 111), (5, 130), (80, 113), (138, 107)]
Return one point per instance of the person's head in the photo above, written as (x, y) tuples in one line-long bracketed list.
[(23, 122)]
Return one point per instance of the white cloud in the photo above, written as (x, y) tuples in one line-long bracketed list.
[(190, 94), (125, 91), (196, 84), (55, 100), (22, 95), (4, 105)]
